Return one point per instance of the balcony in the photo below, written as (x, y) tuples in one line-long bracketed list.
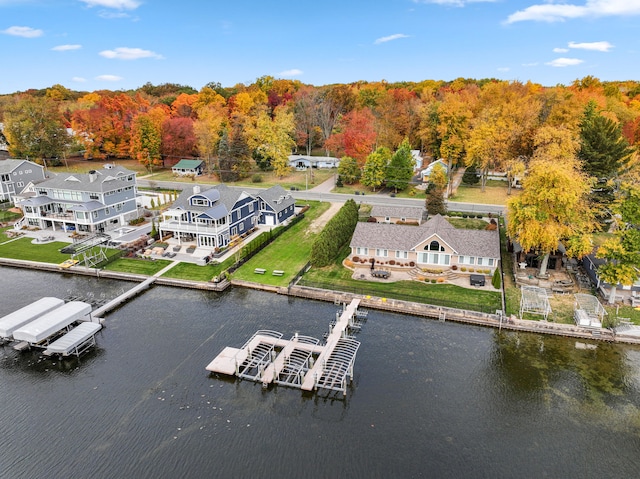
[(180, 227)]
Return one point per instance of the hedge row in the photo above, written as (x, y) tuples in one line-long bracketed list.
[(335, 235)]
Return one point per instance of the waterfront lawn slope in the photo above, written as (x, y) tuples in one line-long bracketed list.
[(194, 272), (24, 249), (137, 266), (337, 277), (289, 252)]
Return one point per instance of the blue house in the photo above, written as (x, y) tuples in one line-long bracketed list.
[(276, 206), (210, 216)]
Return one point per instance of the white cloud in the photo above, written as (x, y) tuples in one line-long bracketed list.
[(117, 4), (559, 12), (26, 32), (290, 73), (79, 79), (560, 50), (503, 69), (125, 53), (596, 46), (564, 62), (66, 48), (111, 15), (452, 3), (390, 38), (108, 78)]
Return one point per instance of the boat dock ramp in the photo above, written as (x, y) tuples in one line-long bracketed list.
[(50, 323), (125, 296), (301, 361)]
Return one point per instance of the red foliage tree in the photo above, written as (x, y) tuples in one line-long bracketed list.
[(178, 139), (357, 136)]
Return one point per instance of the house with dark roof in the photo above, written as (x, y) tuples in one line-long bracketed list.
[(210, 215), (16, 175), (397, 214), (302, 162), (188, 168), (276, 206), (436, 244), (97, 201)]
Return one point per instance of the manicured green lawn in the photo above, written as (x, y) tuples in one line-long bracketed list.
[(23, 249), (8, 216), (288, 253), (194, 272), (495, 193), (137, 266), (338, 277)]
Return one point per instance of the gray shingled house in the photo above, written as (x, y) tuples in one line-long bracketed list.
[(436, 244), (397, 214), (16, 175), (100, 200)]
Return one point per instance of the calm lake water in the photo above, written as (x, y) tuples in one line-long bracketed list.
[(429, 399)]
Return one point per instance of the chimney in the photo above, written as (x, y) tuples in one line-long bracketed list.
[(196, 189), (93, 175)]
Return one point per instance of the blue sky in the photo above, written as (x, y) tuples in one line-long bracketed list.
[(122, 44)]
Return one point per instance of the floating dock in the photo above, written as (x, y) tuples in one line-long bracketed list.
[(301, 361), (17, 319)]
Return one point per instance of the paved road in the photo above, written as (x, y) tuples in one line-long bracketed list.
[(320, 194)]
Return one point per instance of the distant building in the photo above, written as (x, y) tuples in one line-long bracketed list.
[(424, 174), (188, 167), (302, 162), (16, 175)]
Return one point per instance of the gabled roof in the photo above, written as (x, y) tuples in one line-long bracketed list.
[(277, 198), (88, 206), (215, 213), (187, 164), (465, 242), (219, 194), (397, 211), (100, 181), (7, 166)]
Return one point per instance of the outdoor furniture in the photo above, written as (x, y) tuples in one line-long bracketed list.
[(259, 271), (176, 248), (376, 273), (277, 272)]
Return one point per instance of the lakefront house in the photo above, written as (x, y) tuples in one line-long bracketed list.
[(435, 245), (97, 201)]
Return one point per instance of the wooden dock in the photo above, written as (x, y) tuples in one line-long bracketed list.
[(114, 303), (301, 361)]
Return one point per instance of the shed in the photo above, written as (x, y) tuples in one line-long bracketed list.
[(188, 167)]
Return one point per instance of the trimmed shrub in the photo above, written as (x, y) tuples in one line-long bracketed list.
[(336, 233), (454, 267), (496, 281), (463, 269), (256, 178), (356, 259)]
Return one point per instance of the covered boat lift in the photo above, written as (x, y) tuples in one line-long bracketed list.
[(76, 341), (47, 327), (27, 314)]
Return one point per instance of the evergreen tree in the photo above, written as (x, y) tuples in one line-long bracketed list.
[(470, 176), (496, 280), (434, 202), (603, 150), (400, 168)]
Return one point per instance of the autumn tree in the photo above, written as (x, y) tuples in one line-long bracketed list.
[(552, 208), (374, 171), (306, 104), (234, 155), (622, 252), (400, 168), (178, 138), (207, 129), (333, 102), (349, 171), (272, 139), (397, 114), (434, 202), (146, 140), (356, 136), (34, 128)]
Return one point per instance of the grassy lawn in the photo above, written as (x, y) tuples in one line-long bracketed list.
[(297, 179), (495, 193), (288, 253), (137, 266), (338, 277), (468, 223), (77, 165), (3, 236), (194, 272), (23, 249), (8, 216)]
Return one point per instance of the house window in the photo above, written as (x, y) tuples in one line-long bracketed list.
[(199, 202), (434, 246), (91, 197), (250, 207), (119, 207), (234, 231), (20, 184), (490, 262), (480, 261), (363, 251), (402, 254), (382, 253), (94, 215), (107, 211), (241, 226), (434, 258)]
